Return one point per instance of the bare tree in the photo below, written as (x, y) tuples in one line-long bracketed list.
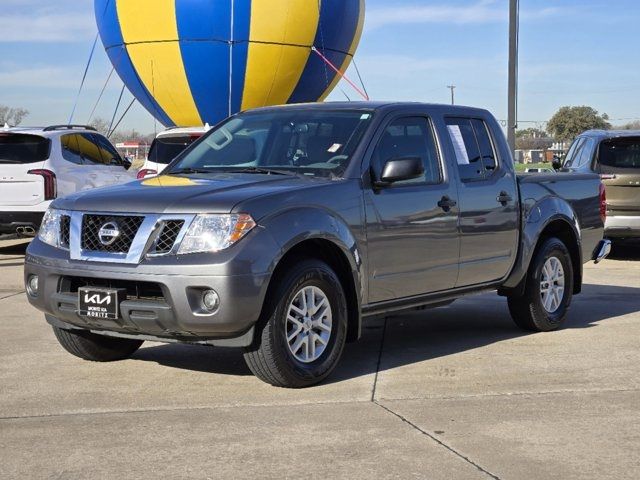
[(12, 116), (635, 125), (101, 125)]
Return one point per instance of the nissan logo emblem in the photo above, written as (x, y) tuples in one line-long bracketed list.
[(108, 233)]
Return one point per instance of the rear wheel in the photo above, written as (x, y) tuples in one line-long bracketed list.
[(303, 331), (549, 290), (96, 348)]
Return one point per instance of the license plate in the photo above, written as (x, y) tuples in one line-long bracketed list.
[(100, 303)]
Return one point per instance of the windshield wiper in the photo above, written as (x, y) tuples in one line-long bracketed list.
[(189, 170), (263, 171), (6, 160)]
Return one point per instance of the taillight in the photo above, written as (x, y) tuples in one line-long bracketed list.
[(146, 172), (50, 184), (603, 202)]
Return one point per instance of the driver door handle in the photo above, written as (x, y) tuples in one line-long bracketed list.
[(447, 203), (504, 198)]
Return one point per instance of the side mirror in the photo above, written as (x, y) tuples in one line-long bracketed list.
[(126, 163), (400, 169)]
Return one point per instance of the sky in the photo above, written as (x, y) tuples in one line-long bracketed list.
[(572, 52)]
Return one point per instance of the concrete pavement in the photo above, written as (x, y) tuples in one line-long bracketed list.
[(456, 392)]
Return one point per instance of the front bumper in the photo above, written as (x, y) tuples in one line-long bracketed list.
[(173, 312), (621, 226)]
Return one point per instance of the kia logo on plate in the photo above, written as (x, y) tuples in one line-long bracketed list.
[(96, 299), (108, 233)]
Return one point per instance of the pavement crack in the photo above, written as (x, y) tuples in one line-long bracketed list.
[(375, 378), (438, 441), (12, 295)]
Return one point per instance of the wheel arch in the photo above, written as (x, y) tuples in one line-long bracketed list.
[(551, 218), (317, 233)]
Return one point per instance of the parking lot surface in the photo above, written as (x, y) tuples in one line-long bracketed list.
[(454, 392)]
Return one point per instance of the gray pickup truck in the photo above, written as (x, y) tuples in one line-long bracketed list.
[(283, 228)]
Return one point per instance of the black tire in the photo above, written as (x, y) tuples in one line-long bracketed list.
[(528, 311), (96, 348), (270, 358)]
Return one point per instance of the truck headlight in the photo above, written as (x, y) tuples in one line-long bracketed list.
[(212, 233), (49, 231)]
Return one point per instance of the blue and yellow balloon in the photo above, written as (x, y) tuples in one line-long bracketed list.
[(191, 62)]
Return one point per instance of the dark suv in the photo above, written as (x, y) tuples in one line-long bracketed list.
[(615, 156)]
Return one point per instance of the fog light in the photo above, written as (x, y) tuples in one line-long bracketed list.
[(32, 285), (210, 300)]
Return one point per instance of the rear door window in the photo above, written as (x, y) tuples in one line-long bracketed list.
[(110, 155), (574, 152), (487, 153), (89, 150), (18, 148), (70, 149), (620, 155), (467, 150), (586, 153)]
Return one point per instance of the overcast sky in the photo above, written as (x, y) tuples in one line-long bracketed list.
[(573, 52)]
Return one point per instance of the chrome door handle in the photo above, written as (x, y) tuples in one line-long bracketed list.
[(504, 198), (447, 203)]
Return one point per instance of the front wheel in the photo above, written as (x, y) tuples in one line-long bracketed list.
[(303, 329), (549, 290)]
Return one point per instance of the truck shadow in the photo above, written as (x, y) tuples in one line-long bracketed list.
[(625, 251), (13, 247), (415, 337)]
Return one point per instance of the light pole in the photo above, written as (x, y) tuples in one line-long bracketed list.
[(512, 117)]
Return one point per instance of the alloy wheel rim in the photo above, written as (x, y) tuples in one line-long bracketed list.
[(309, 324), (552, 285)]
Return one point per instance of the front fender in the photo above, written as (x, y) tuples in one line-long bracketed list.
[(537, 216), (296, 225)]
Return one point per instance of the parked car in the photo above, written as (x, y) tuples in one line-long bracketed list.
[(168, 145), (283, 228), (38, 165), (615, 156)]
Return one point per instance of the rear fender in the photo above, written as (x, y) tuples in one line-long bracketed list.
[(537, 222)]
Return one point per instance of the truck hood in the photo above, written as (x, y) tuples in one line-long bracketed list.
[(217, 193)]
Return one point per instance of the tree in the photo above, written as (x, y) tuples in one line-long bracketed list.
[(533, 139), (12, 116), (635, 125), (569, 122), (101, 125)]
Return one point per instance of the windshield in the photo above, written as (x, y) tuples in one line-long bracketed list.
[(620, 154), (306, 142), (165, 149), (21, 148)]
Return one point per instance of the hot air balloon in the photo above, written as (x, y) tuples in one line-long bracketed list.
[(191, 62)]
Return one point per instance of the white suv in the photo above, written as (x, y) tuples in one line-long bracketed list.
[(168, 145), (40, 164)]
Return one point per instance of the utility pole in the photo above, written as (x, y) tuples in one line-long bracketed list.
[(512, 117), (453, 96)]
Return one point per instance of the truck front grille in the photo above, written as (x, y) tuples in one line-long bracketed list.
[(127, 226), (65, 231), (168, 236), (135, 290)]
